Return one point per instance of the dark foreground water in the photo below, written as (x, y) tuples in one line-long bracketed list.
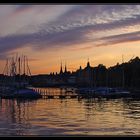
[(70, 117)]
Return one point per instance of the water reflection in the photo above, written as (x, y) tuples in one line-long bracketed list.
[(15, 116), (69, 116), (132, 108)]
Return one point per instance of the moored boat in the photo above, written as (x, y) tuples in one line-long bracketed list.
[(15, 83), (103, 91), (22, 93)]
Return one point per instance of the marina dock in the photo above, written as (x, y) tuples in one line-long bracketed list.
[(63, 94)]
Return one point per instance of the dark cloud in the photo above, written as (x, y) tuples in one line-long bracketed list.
[(121, 38), (77, 34), (41, 40), (12, 42)]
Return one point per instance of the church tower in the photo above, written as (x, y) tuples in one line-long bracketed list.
[(88, 64)]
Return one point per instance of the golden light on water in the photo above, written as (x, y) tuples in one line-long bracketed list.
[(72, 116)]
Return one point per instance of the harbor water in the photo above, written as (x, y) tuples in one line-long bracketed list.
[(53, 117)]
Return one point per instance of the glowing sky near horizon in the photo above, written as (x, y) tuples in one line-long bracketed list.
[(49, 34)]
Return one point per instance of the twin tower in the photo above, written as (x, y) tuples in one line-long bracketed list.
[(61, 70)]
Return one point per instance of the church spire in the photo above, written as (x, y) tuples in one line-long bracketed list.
[(88, 64), (65, 68), (61, 71)]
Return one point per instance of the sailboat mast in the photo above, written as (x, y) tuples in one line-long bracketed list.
[(28, 69), (24, 65), (5, 68), (19, 65), (123, 72)]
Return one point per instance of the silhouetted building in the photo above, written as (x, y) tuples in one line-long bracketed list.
[(85, 76), (121, 75)]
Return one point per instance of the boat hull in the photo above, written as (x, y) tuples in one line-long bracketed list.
[(103, 92), (21, 93)]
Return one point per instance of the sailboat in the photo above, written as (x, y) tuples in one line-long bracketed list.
[(15, 82)]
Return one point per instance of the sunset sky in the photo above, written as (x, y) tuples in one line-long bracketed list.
[(49, 34)]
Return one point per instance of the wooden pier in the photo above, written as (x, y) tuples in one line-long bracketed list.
[(56, 95)]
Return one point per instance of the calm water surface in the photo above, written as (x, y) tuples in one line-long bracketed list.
[(70, 116)]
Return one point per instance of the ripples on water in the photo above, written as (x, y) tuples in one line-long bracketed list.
[(70, 117)]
